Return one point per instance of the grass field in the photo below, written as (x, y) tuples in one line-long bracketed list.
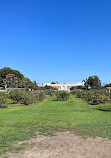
[(19, 123)]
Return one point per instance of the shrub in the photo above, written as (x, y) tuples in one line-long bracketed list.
[(97, 99), (62, 95), (73, 92), (49, 92), (41, 96), (94, 96), (80, 94), (16, 95), (28, 98), (2, 100), (4, 94), (35, 94)]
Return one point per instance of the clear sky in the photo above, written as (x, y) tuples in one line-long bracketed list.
[(56, 40)]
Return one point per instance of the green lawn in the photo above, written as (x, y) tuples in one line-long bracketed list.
[(21, 122)]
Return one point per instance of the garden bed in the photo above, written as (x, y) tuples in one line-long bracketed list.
[(101, 104), (94, 97), (3, 107)]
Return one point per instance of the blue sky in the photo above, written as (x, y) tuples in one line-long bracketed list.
[(56, 40)]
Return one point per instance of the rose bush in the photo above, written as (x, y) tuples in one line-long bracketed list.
[(94, 96), (62, 95)]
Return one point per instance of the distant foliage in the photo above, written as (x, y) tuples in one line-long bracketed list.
[(13, 78), (62, 95), (107, 85), (11, 81), (6, 71), (93, 82), (53, 82)]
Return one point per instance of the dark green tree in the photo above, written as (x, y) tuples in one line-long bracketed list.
[(52, 82), (94, 82), (107, 85), (28, 83)]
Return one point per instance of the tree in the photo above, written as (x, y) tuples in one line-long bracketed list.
[(1, 82), (52, 82), (93, 81), (10, 81), (5, 71), (7, 75), (107, 85), (35, 86), (28, 83), (21, 83), (86, 84)]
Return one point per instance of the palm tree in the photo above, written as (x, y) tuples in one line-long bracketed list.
[(86, 83)]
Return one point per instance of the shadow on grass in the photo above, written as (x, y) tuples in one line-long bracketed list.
[(104, 110)]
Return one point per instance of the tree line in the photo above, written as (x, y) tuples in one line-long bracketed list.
[(10, 78)]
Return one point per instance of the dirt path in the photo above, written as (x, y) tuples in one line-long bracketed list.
[(65, 145)]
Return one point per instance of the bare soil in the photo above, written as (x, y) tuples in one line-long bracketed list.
[(64, 145)]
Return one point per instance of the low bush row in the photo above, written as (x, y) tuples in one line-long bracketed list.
[(93, 96), (26, 97)]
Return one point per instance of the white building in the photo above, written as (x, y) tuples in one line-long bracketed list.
[(63, 86)]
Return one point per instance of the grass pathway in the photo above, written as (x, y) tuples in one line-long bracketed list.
[(20, 123)]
